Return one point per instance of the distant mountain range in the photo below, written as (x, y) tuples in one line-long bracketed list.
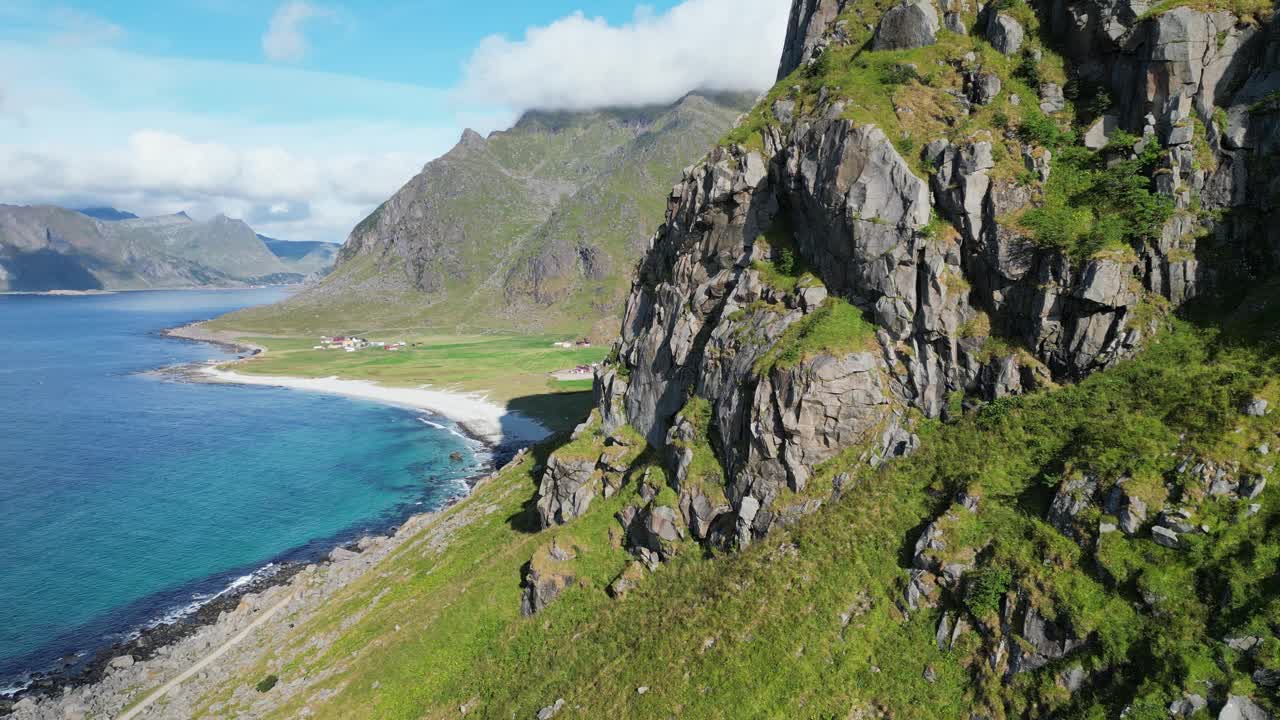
[(308, 257), (44, 248), (532, 228)]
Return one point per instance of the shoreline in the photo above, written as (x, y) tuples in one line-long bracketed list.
[(128, 673), (483, 422), (195, 288), (475, 413)]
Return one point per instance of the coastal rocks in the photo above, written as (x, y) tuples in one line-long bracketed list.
[(298, 593), (548, 573), (124, 662), (911, 24)]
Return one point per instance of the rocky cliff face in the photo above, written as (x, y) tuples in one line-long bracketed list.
[(938, 217)]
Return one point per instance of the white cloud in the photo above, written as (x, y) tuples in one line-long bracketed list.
[(304, 195), (284, 40), (305, 155), (321, 149), (580, 62)]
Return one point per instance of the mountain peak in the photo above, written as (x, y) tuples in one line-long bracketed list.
[(108, 214)]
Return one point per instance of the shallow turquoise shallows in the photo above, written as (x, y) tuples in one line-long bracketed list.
[(126, 496)]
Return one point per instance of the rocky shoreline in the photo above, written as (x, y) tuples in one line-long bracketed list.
[(197, 332), (121, 675), (148, 642)]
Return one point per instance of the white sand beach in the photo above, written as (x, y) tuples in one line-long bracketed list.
[(477, 414)]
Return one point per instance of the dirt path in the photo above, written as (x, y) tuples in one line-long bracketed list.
[(204, 662)]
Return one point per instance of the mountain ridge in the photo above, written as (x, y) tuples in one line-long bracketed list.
[(44, 248), (474, 223)]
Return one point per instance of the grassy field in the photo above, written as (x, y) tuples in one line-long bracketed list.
[(510, 369)]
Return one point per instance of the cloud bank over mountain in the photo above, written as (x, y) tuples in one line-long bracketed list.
[(581, 62)]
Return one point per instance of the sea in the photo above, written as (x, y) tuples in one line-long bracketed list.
[(129, 497)]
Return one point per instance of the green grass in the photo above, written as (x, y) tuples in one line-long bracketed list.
[(705, 472), (1091, 206), (700, 631), (512, 369), (836, 328)]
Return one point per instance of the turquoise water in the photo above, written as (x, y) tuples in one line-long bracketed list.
[(126, 496)]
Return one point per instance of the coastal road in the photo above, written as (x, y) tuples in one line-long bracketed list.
[(203, 662)]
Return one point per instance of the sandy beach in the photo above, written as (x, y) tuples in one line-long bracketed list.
[(480, 416)]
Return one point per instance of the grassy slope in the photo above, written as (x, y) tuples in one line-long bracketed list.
[(509, 368), (760, 633), (617, 215)]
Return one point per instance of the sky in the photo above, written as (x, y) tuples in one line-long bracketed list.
[(301, 116)]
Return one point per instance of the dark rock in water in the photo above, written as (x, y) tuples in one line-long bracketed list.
[(455, 456)]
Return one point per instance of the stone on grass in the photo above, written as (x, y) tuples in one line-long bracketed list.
[(1005, 34), (1164, 536), (911, 24)]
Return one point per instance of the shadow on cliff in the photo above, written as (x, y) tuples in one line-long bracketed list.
[(557, 411), (526, 519)]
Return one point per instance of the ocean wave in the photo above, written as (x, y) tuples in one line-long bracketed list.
[(199, 600), (11, 690), (472, 442)]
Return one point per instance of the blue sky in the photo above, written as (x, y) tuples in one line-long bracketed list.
[(301, 115)]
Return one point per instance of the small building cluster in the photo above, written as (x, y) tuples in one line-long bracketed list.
[(570, 344), (356, 344)]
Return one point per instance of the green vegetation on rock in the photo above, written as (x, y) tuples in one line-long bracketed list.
[(836, 328), (1092, 204)]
